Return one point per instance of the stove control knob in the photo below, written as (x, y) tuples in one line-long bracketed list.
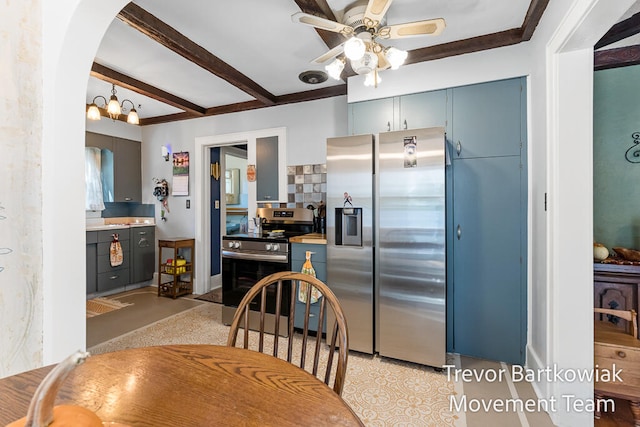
[(236, 245), (230, 244), (267, 246), (275, 247)]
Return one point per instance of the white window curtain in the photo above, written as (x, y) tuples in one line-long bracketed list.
[(93, 199)]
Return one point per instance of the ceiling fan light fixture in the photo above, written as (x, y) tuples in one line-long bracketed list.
[(366, 64), (396, 57), (354, 48), (335, 68)]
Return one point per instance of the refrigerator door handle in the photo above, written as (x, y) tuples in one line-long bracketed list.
[(459, 232)]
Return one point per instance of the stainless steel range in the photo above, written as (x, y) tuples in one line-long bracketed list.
[(247, 258)]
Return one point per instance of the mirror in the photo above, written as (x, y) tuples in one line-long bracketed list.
[(232, 186)]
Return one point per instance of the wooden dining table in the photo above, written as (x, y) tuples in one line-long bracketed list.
[(188, 385)]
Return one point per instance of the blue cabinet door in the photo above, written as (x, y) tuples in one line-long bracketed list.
[(487, 119), (372, 116), (319, 262), (423, 110), (489, 294)]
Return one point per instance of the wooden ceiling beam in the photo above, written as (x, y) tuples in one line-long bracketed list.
[(461, 47), (310, 95), (107, 74), (159, 31), (620, 31), (532, 18), (615, 58)]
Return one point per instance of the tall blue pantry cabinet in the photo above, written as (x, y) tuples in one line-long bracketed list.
[(486, 178)]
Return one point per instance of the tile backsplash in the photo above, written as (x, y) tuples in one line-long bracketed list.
[(306, 184)]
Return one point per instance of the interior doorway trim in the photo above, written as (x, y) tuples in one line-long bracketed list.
[(203, 187)]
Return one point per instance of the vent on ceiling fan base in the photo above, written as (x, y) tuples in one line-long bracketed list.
[(313, 77)]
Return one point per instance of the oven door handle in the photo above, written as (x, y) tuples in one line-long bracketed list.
[(255, 257)]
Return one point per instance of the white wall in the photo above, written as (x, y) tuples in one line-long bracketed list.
[(308, 125)]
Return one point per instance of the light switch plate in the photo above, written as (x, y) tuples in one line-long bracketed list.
[(217, 204), (188, 204)]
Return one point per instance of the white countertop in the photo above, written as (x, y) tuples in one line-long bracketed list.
[(98, 224)]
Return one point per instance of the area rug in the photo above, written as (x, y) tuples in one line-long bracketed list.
[(101, 305), (212, 296)]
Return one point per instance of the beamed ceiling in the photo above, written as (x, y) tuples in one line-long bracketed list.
[(184, 60)]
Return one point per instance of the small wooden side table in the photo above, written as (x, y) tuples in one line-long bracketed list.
[(176, 278)]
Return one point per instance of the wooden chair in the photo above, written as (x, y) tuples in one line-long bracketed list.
[(339, 334), (629, 315)]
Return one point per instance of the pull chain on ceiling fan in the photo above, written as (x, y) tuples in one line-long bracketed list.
[(363, 27)]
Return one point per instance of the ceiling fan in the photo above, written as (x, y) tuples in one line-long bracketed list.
[(364, 26)]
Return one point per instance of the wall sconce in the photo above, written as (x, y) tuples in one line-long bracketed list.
[(215, 170), (114, 108), (166, 151)]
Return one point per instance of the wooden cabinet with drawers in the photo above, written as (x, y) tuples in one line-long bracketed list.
[(617, 352)]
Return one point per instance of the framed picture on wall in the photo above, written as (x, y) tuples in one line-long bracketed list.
[(180, 185)]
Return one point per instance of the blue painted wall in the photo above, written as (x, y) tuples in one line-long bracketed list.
[(616, 182)]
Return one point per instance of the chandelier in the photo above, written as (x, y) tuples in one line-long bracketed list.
[(114, 108), (366, 57)]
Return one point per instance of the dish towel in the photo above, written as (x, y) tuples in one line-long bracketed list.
[(115, 251), (307, 268)]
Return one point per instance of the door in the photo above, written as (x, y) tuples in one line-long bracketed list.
[(489, 311), (215, 216)]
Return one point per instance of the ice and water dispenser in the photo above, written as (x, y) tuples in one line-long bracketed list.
[(348, 226)]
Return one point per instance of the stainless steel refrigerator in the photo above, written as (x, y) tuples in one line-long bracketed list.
[(386, 254)]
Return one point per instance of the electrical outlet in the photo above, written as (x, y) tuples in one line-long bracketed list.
[(188, 204), (217, 204)]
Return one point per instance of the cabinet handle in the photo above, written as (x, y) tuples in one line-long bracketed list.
[(143, 243), (142, 233), (113, 277), (389, 126), (459, 231), (621, 354), (267, 197), (458, 148), (128, 199), (405, 125)]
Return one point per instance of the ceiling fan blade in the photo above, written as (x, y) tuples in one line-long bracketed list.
[(330, 54), (411, 29), (322, 23), (375, 12)]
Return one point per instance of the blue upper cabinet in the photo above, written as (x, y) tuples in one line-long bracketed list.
[(372, 116), (487, 113), (415, 111), (423, 110)]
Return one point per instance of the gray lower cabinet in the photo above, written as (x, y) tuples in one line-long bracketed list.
[(143, 253), (92, 266), (319, 262), (109, 277)]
